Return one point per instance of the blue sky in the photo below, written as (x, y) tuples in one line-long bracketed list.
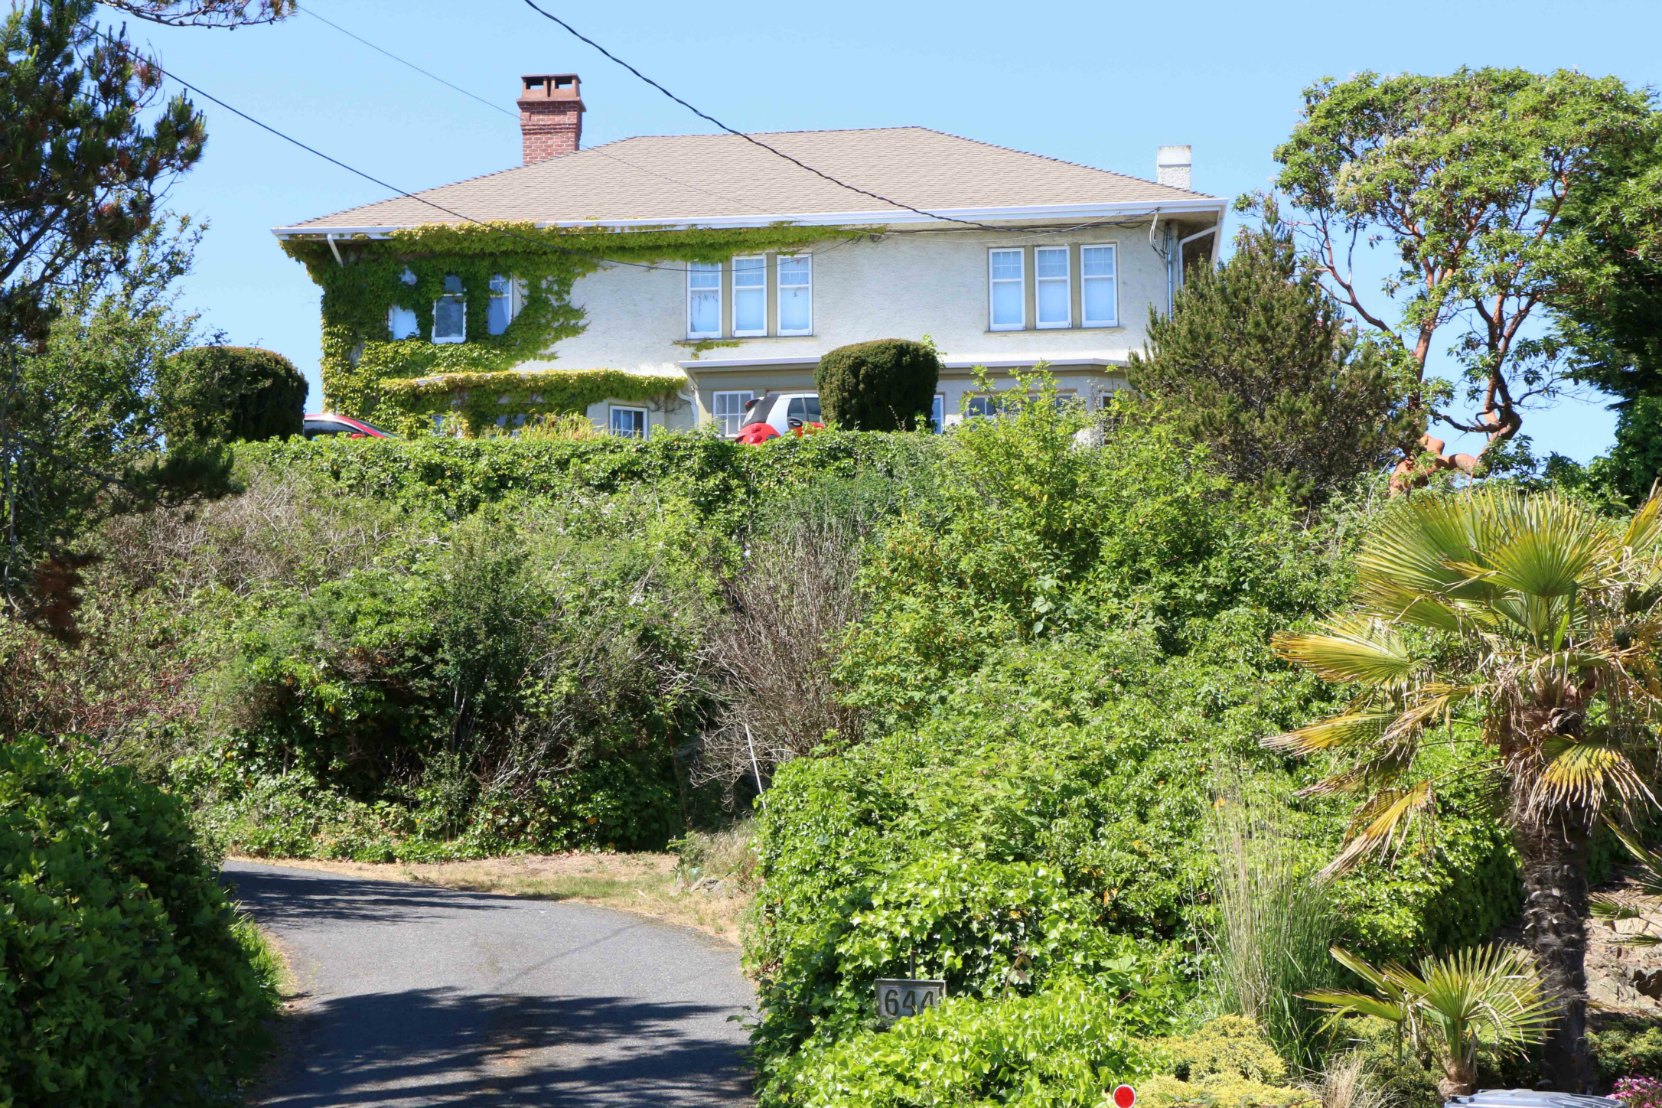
[(1102, 83)]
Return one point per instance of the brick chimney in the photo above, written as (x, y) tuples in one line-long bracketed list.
[(550, 116), (1171, 165)]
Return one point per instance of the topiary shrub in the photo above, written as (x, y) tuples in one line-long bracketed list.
[(882, 385), (230, 394), (125, 978)]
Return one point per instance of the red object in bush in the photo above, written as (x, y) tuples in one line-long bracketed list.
[(755, 433)]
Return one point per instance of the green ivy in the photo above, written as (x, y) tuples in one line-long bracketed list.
[(480, 399), (360, 357)]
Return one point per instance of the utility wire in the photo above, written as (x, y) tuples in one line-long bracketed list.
[(601, 151), (540, 244), (753, 140), (311, 11)]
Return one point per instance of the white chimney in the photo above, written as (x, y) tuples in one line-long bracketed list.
[(1172, 165)]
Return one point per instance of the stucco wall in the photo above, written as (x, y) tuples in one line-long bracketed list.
[(903, 285)]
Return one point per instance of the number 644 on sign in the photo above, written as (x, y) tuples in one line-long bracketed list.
[(899, 998)]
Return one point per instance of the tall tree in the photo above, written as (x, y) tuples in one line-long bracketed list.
[(88, 144), (1465, 180), (1259, 363), (1531, 624)]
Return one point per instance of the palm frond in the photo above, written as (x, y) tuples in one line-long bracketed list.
[(1614, 908), (1650, 861), (1340, 732), (1380, 822), (1585, 772), (1350, 648), (1644, 531), (1341, 1003), (1544, 545), (1493, 993)]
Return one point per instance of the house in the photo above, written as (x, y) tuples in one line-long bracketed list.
[(663, 281)]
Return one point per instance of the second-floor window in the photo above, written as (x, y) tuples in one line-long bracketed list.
[(1057, 286), (769, 294), (796, 294), (704, 300), (1007, 293), (450, 313), (750, 297), (1051, 291), (501, 310)]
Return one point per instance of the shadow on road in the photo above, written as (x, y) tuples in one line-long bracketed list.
[(477, 1050), (281, 899)]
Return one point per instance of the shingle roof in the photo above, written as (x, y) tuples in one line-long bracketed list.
[(692, 178)]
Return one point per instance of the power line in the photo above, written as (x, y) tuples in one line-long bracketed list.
[(540, 244), (311, 11), (602, 152), (753, 140)]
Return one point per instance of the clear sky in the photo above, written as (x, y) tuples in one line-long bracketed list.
[(1094, 81)]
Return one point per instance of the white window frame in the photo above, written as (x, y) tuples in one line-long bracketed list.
[(611, 419), (411, 321), (761, 290), (716, 268), (779, 293), (715, 402), (1065, 280), (1113, 252), (461, 297), (511, 295), (1020, 281)]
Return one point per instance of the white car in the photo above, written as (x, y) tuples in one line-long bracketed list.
[(779, 413)]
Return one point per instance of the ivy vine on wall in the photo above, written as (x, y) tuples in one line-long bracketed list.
[(403, 383)]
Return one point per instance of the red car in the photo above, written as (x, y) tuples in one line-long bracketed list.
[(321, 424)]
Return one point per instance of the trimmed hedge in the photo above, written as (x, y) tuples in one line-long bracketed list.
[(125, 978), (881, 385), (230, 394)]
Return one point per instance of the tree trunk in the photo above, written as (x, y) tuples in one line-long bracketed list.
[(1554, 856)]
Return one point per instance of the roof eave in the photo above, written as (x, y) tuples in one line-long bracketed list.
[(1199, 205)]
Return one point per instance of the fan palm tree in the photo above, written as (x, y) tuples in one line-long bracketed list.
[(1534, 623), (1486, 998)]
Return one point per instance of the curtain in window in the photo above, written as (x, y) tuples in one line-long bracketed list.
[(1007, 307), (750, 296), (1096, 274), (704, 298), (501, 310), (450, 313), (795, 295)]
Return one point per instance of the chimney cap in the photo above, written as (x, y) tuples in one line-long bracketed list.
[(1174, 155), (550, 86)]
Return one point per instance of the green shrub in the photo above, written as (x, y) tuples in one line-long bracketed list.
[(1064, 1046), (1626, 1046), (229, 394), (125, 978), (1227, 1063), (881, 385)]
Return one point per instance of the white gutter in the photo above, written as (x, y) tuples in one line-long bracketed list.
[(955, 364), (833, 219)]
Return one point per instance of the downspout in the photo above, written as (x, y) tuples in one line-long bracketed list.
[(1171, 271), (1186, 240), (335, 250)]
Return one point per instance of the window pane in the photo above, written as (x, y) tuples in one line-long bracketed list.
[(704, 275), (453, 284), (1099, 300), (937, 413), (728, 410), (1007, 305), (793, 309), (812, 407), (449, 319), (793, 270), (750, 272), (704, 313), (1097, 261), (401, 322), (1053, 301), (750, 310), (629, 423), (1050, 261), (1006, 265)]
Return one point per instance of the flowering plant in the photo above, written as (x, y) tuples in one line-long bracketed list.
[(1638, 1092)]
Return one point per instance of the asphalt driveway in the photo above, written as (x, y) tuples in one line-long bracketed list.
[(412, 995)]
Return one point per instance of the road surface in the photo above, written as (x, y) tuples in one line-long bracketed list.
[(411, 995)]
